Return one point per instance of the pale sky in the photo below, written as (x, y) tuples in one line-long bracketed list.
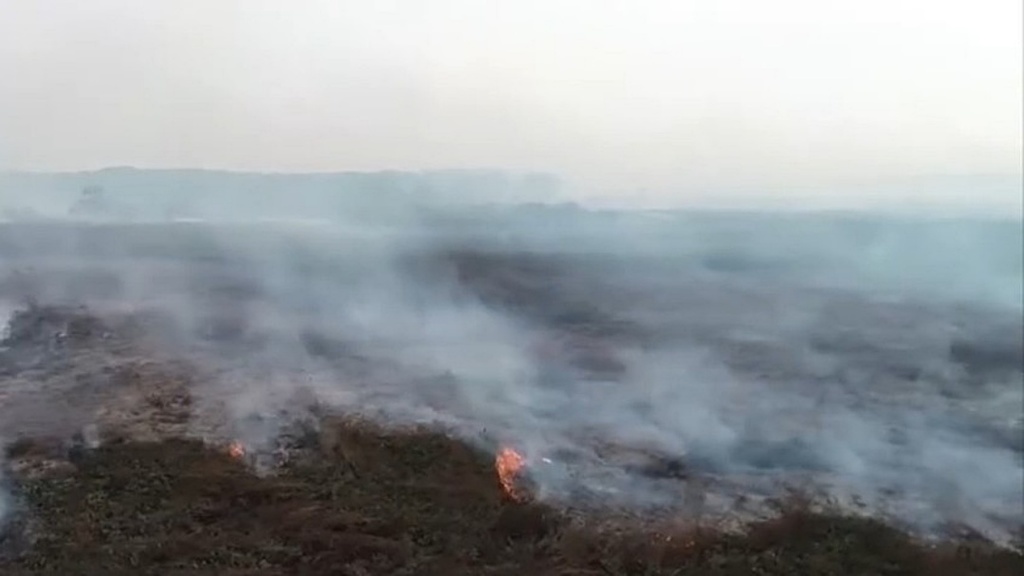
[(670, 96)]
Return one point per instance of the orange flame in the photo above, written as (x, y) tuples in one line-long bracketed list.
[(236, 450), (509, 463)]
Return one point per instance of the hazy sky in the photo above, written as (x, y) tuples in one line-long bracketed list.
[(670, 95)]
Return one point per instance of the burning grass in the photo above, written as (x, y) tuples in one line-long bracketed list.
[(360, 500)]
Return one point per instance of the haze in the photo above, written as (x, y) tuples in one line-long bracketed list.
[(629, 355), (655, 102)]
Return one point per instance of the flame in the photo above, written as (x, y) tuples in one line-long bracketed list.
[(509, 463), (236, 450)]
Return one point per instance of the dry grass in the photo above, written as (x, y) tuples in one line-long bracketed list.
[(360, 500)]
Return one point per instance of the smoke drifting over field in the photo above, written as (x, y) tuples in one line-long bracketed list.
[(627, 355)]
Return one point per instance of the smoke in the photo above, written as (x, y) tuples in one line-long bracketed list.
[(6, 311), (876, 359)]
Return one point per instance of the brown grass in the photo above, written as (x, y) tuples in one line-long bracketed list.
[(360, 500)]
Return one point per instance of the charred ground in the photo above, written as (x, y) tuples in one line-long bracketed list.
[(357, 499), (117, 462), (348, 496)]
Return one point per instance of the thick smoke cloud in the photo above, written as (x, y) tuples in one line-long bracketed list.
[(876, 358)]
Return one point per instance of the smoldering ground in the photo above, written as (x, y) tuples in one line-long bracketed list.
[(626, 360)]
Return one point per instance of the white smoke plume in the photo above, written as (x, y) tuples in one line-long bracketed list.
[(876, 358)]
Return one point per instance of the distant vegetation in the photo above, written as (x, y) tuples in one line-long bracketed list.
[(159, 194)]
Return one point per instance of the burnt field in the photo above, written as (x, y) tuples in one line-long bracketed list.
[(356, 499), (183, 398)]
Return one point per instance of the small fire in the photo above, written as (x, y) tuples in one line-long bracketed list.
[(236, 450), (509, 464)]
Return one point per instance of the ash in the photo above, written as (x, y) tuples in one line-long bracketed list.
[(709, 380)]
